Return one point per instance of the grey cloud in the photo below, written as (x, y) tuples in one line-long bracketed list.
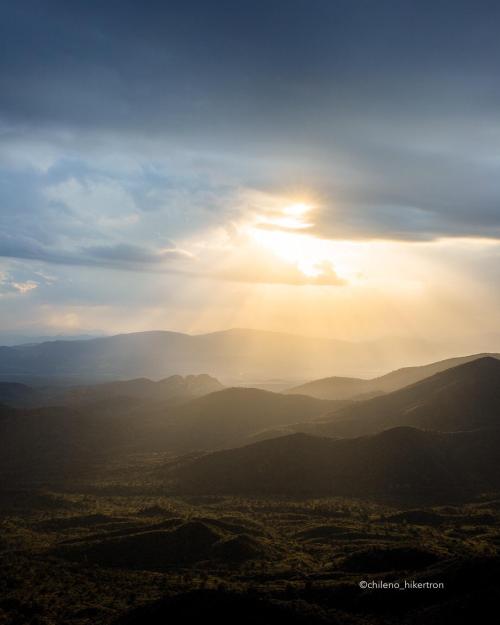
[(404, 94), (403, 192), (134, 254), (122, 256)]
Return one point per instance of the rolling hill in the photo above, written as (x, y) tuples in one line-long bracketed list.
[(400, 463), (126, 417), (19, 395), (173, 389), (169, 543), (356, 388), (230, 417), (53, 442), (58, 440), (466, 397)]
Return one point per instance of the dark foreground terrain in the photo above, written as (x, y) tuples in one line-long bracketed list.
[(120, 550), (151, 503)]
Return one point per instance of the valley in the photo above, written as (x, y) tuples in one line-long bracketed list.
[(136, 501)]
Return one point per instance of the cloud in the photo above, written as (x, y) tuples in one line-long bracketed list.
[(260, 273), (127, 137), (24, 287), (104, 201), (10, 286), (392, 121), (122, 256), (242, 261)]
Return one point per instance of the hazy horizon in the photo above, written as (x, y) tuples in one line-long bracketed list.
[(395, 351)]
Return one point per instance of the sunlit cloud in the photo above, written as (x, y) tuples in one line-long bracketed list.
[(266, 244), (11, 286), (290, 217)]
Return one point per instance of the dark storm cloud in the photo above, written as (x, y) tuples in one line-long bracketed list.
[(388, 110), (183, 63)]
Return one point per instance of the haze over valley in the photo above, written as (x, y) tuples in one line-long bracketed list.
[(240, 356)]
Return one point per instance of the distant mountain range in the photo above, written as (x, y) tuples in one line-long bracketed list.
[(14, 338), (356, 388), (230, 355)]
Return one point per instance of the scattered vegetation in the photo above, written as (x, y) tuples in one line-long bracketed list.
[(91, 554)]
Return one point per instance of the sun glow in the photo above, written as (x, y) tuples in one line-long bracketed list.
[(313, 257), (284, 234), (291, 217), (297, 210)]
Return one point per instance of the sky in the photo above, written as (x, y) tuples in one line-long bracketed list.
[(321, 167)]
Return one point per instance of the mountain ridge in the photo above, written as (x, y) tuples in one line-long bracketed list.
[(464, 397), (228, 354), (400, 463), (335, 387), (173, 388)]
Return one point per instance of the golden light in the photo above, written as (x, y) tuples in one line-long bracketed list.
[(291, 217), (285, 235), (297, 210)]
